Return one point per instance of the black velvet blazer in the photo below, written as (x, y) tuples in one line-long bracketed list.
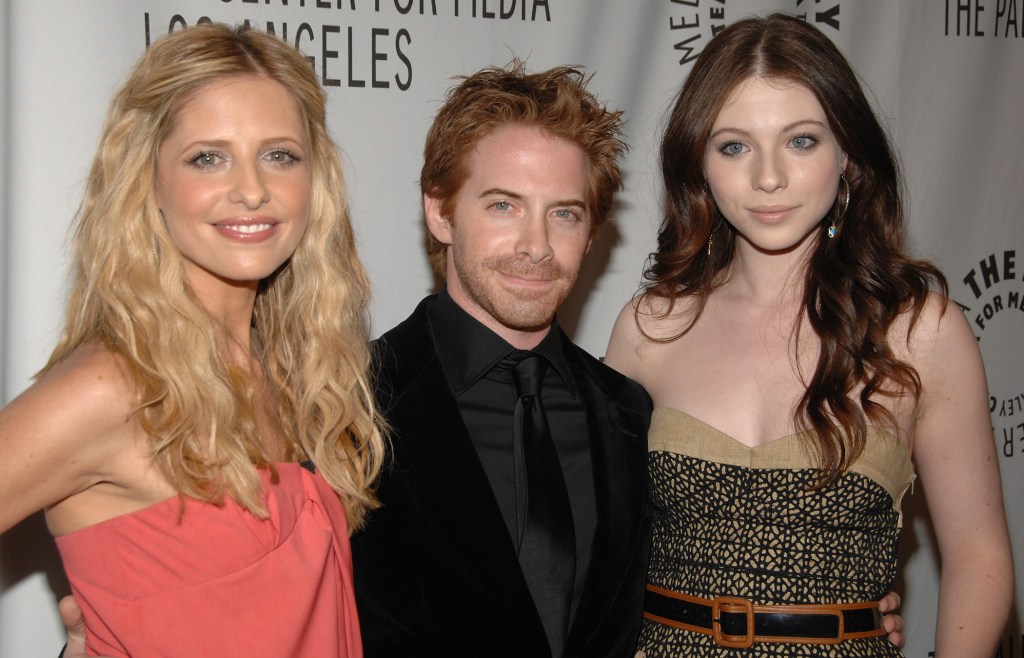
[(435, 569)]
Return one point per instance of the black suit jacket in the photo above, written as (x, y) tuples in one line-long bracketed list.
[(435, 569)]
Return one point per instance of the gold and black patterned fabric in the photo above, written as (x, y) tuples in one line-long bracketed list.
[(738, 521)]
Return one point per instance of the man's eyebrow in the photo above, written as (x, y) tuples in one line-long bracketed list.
[(498, 191)]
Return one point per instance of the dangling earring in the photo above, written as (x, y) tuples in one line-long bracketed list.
[(840, 207), (711, 235)]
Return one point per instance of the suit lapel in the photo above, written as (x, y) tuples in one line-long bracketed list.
[(444, 476), (620, 489)]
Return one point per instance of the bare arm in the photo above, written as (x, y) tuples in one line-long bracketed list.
[(61, 438), (955, 455), (623, 351), (43, 458)]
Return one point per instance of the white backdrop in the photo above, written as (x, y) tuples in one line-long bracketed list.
[(946, 76)]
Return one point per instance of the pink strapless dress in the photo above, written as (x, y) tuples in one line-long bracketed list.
[(220, 582)]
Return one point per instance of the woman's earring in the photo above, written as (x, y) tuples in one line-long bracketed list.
[(711, 235), (840, 207)]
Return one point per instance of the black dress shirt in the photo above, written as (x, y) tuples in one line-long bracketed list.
[(473, 358)]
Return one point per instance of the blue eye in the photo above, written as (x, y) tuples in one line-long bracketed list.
[(204, 160), (803, 142), (732, 148), (283, 157), (502, 205), (565, 213)]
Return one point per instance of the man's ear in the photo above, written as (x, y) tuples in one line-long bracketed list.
[(437, 224)]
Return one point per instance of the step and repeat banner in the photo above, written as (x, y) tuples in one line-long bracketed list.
[(947, 76)]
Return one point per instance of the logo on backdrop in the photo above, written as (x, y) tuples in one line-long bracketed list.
[(694, 22), (342, 46), (1003, 19), (992, 298)]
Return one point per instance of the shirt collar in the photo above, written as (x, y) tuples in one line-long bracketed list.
[(469, 350)]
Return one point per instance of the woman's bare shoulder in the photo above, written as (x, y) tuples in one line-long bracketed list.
[(91, 376), (940, 324), (66, 433), (644, 327), (661, 318)]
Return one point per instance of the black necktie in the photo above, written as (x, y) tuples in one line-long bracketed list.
[(547, 542)]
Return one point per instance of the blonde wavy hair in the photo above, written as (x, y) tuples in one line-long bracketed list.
[(129, 294)]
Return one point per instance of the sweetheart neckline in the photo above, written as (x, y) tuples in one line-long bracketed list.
[(714, 429), (779, 439)]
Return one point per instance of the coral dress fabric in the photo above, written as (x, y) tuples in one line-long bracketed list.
[(219, 581)]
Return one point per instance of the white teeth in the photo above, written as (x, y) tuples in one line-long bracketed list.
[(250, 228)]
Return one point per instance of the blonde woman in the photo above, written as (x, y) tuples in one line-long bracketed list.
[(214, 352)]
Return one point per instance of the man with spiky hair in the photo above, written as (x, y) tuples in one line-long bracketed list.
[(480, 547)]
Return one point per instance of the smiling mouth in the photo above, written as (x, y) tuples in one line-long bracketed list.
[(246, 228), (534, 277), (527, 278), (518, 271), (247, 231)]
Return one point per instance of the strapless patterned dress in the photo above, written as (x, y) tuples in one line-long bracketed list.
[(738, 521)]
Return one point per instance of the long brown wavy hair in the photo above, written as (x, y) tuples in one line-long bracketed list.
[(856, 285), (129, 293)]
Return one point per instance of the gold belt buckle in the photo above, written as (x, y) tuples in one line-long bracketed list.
[(732, 605)]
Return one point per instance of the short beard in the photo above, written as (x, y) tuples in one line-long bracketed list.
[(520, 312)]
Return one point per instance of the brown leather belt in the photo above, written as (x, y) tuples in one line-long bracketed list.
[(739, 623)]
